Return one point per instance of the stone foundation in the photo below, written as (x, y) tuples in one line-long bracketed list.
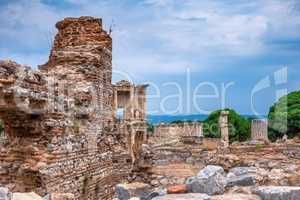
[(172, 164)]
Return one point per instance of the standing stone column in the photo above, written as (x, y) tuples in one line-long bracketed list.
[(223, 124), (259, 130), (198, 129)]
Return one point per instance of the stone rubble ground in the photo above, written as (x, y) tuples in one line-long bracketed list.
[(5, 194), (212, 183)]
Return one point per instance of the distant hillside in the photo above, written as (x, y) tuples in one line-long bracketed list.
[(156, 119)]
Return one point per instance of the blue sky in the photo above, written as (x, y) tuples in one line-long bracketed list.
[(183, 48)]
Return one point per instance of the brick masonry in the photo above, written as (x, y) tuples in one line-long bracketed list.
[(62, 133)]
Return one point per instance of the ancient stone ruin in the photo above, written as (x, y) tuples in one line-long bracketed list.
[(259, 130), (62, 132), (132, 99), (223, 124), (65, 140), (179, 130)]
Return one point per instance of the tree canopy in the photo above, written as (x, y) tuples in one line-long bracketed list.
[(239, 127), (284, 116)]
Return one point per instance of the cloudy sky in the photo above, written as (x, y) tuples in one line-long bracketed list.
[(197, 55)]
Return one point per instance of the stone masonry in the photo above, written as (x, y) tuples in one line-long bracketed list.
[(259, 130), (132, 99), (223, 123), (179, 130), (62, 135)]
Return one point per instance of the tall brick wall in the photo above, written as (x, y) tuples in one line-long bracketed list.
[(62, 136)]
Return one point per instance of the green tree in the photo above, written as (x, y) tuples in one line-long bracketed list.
[(150, 128), (284, 116), (177, 122), (181, 122), (239, 127)]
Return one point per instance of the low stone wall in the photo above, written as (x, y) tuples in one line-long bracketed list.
[(173, 163), (211, 143), (178, 130), (292, 150)]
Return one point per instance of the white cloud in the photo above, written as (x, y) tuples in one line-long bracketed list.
[(157, 35), (159, 3), (151, 63)]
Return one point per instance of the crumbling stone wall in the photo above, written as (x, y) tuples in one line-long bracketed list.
[(178, 130), (171, 164), (59, 120)]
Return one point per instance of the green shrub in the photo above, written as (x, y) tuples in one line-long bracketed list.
[(259, 147), (284, 116), (239, 127), (150, 128)]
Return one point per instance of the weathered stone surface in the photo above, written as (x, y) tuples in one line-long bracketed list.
[(4, 193), (223, 124), (177, 189), (156, 193), (236, 197), (127, 191), (26, 196), (239, 190), (172, 174), (62, 196), (189, 196), (210, 180), (210, 170), (238, 171), (244, 180), (277, 192)]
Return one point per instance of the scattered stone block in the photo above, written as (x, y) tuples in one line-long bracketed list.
[(128, 190), (4, 193), (210, 180), (157, 193), (189, 196), (244, 180), (62, 196), (236, 197), (277, 192), (26, 196), (238, 171), (177, 189)]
